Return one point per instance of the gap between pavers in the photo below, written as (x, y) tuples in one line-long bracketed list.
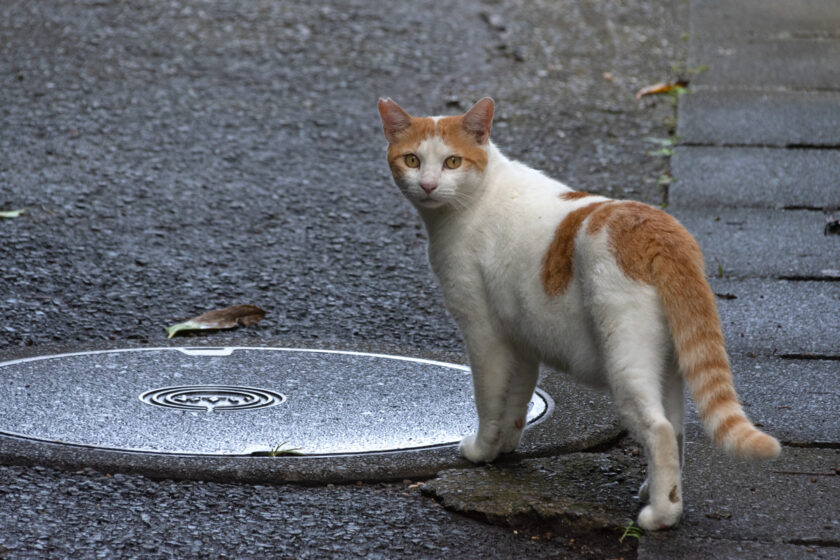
[(764, 243), (708, 176)]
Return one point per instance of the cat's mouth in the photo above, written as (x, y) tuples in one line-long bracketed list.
[(429, 202)]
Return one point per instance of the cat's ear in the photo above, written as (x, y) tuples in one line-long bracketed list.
[(394, 119), (479, 119)]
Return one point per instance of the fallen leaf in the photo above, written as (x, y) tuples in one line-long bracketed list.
[(226, 318), (726, 296), (660, 88), (11, 213)]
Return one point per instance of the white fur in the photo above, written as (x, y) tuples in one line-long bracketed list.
[(488, 236)]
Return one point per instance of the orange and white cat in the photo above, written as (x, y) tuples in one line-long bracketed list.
[(611, 292)]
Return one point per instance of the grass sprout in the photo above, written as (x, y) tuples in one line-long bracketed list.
[(280, 450), (631, 530)]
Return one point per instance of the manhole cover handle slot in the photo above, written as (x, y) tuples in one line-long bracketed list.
[(207, 351)]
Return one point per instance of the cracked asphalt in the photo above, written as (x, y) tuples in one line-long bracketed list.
[(180, 156)]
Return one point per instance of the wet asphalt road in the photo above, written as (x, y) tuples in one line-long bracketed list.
[(176, 157)]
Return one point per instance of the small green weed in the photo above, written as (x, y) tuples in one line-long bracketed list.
[(662, 152), (631, 530), (279, 450), (675, 93), (666, 145)]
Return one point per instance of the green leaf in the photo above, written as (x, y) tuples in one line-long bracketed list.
[(662, 152), (12, 213)]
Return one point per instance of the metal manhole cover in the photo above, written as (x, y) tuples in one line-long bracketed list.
[(212, 398), (220, 401)]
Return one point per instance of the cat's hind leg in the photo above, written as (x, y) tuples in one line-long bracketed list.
[(520, 389), (673, 399), (635, 341)]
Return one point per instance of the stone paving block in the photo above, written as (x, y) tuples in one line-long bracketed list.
[(764, 243), (754, 177), (723, 116), (738, 500), (768, 43), (666, 547), (792, 399), (746, 19), (792, 63), (770, 317)]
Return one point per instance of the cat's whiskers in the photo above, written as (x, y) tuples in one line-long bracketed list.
[(462, 200)]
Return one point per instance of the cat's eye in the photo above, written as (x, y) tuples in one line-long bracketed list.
[(411, 160), (452, 162)]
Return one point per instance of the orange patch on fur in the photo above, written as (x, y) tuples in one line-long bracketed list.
[(640, 233), (725, 396), (712, 380), (449, 129), (574, 195), (699, 343), (672, 496), (729, 424), (556, 272)]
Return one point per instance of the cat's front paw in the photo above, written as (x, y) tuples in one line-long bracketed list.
[(472, 449)]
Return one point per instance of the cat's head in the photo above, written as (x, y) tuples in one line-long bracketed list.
[(438, 162)]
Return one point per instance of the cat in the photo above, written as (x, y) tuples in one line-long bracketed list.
[(611, 292)]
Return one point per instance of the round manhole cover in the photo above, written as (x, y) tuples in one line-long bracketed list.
[(239, 401)]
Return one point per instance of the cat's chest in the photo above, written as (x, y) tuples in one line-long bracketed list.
[(495, 262)]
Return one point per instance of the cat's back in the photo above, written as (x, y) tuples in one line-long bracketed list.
[(522, 214)]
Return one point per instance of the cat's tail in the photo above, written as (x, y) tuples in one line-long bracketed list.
[(689, 305)]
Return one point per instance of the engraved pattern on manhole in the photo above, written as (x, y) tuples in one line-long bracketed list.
[(212, 398)]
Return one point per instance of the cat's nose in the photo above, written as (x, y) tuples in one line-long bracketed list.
[(428, 187)]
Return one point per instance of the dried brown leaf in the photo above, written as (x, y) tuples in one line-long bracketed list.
[(227, 318), (660, 88)]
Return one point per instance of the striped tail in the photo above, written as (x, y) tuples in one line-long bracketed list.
[(689, 305)]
